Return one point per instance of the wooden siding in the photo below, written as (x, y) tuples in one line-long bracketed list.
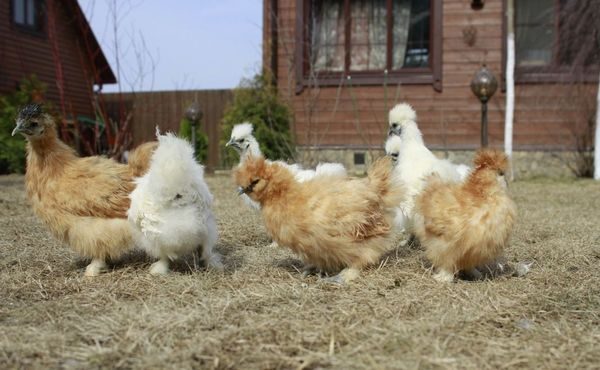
[(356, 116), (23, 54), (166, 109)]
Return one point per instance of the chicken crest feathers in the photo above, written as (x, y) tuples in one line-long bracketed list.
[(242, 130), (401, 113)]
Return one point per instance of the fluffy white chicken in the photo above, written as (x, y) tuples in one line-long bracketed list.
[(414, 162), (171, 207), (244, 142)]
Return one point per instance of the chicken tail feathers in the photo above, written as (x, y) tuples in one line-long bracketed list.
[(491, 159), (384, 180)]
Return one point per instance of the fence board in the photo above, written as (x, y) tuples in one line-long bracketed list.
[(165, 109)]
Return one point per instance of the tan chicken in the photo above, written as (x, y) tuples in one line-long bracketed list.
[(466, 225), (82, 201), (139, 159), (332, 223)]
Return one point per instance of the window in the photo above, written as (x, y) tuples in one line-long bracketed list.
[(366, 39), (28, 14), (556, 37)]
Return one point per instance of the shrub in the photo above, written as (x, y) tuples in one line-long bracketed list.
[(185, 131), (256, 101), (12, 149)]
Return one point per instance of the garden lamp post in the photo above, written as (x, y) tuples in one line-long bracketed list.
[(484, 85), (193, 113)]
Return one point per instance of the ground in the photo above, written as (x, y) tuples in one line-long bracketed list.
[(261, 314)]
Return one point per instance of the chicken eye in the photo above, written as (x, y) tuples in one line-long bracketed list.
[(240, 141), (394, 125), (33, 124), (501, 173)]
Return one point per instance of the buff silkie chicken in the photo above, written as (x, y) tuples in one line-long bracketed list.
[(334, 224), (414, 161), (466, 225), (139, 159), (171, 207), (82, 201)]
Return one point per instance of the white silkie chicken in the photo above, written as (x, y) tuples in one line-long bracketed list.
[(414, 162), (245, 144), (171, 207)]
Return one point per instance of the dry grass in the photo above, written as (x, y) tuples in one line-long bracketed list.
[(260, 313)]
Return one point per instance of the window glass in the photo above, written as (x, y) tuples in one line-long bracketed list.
[(31, 13), (411, 33), (368, 38), (19, 11), (327, 36), (368, 44), (535, 32), (579, 39)]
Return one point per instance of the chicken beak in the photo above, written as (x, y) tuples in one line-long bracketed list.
[(241, 191), (229, 143), (19, 128)]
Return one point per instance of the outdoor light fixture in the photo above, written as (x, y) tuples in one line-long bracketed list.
[(484, 85), (193, 113)]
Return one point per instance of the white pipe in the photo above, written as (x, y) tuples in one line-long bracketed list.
[(510, 82), (597, 138)]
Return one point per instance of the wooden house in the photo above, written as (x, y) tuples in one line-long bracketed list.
[(342, 64), (52, 40)]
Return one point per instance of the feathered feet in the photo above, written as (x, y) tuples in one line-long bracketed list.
[(343, 277), (96, 267)]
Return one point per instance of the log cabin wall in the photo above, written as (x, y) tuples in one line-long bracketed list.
[(352, 116), (23, 53)]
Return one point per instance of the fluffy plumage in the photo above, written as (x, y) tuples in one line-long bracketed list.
[(139, 158), (243, 141), (414, 161), (465, 225), (171, 206), (333, 223), (82, 201)]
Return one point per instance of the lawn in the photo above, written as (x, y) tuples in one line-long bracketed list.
[(261, 314)]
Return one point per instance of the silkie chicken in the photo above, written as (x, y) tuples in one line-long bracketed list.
[(466, 225), (171, 207), (244, 142), (139, 159), (413, 161), (334, 224), (82, 201)]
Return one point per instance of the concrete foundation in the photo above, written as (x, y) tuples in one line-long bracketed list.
[(525, 164)]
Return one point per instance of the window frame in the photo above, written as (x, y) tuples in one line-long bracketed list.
[(39, 28), (552, 73), (431, 75)]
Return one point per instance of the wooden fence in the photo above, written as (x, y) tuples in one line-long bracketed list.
[(166, 109)]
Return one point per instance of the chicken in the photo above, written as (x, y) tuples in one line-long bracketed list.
[(139, 159), (465, 225), (245, 144), (414, 161), (332, 223), (171, 207), (82, 201)]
